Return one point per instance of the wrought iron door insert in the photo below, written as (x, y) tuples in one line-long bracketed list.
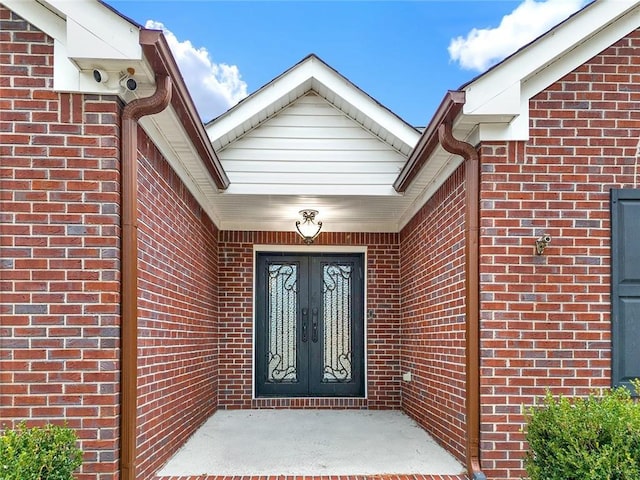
[(309, 325)]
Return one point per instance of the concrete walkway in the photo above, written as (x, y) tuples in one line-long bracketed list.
[(310, 442)]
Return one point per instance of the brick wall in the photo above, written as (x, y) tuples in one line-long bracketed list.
[(546, 319), (433, 322), (178, 259), (59, 237), (236, 319)]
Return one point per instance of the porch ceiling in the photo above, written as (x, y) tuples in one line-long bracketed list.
[(278, 212), (282, 145), (339, 213)]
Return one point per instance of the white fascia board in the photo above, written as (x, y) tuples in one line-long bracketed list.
[(105, 36), (516, 129), (485, 95), (66, 76), (43, 18), (65, 72), (503, 102), (258, 102), (582, 52), (97, 38), (84, 32)]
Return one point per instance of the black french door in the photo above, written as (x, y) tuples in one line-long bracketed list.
[(309, 325)]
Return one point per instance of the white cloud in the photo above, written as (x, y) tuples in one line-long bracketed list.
[(214, 87), (485, 47)]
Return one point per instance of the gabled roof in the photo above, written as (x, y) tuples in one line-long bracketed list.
[(311, 139), (311, 132), (312, 74), (311, 148), (495, 105), (498, 100)]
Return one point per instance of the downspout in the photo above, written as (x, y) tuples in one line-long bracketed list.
[(472, 288), (129, 323)]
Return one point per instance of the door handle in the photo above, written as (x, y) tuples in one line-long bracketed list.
[(314, 325), (305, 318)]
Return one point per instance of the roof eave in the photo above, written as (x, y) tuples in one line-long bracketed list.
[(494, 105), (450, 107), (158, 54)]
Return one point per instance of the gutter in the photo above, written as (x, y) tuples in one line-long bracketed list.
[(129, 323), (440, 132), (447, 111), (171, 90), (472, 290)]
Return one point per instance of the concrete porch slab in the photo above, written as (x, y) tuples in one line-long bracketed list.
[(311, 443)]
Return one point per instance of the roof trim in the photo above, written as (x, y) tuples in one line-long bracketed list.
[(449, 108), (158, 54), (498, 100), (259, 105), (495, 104)]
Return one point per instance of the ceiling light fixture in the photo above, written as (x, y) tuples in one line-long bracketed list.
[(308, 228)]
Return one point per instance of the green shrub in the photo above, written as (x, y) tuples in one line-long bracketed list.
[(39, 453), (593, 438)]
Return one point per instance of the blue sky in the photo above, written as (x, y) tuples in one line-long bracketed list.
[(405, 54)]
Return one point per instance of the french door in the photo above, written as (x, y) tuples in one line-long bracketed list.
[(309, 325)]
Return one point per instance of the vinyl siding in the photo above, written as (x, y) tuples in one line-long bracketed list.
[(311, 143)]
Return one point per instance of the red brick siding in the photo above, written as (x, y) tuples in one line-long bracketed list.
[(433, 321), (236, 319), (546, 319), (178, 259), (59, 237)]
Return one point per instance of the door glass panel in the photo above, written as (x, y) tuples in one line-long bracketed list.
[(282, 292), (336, 298)]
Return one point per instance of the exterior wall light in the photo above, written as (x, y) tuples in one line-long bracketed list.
[(308, 228), (542, 243)]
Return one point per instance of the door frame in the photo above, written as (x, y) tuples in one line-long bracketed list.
[(329, 249)]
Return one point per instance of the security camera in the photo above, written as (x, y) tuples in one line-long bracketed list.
[(100, 76), (542, 243), (128, 82)]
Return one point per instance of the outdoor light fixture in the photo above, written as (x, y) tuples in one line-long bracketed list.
[(542, 243), (308, 228)]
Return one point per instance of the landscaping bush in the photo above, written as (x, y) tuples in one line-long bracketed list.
[(593, 438), (39, 453)]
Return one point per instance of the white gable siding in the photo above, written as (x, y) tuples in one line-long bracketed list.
[(311, 147)]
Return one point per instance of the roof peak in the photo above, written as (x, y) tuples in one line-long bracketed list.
[(309, 74)]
